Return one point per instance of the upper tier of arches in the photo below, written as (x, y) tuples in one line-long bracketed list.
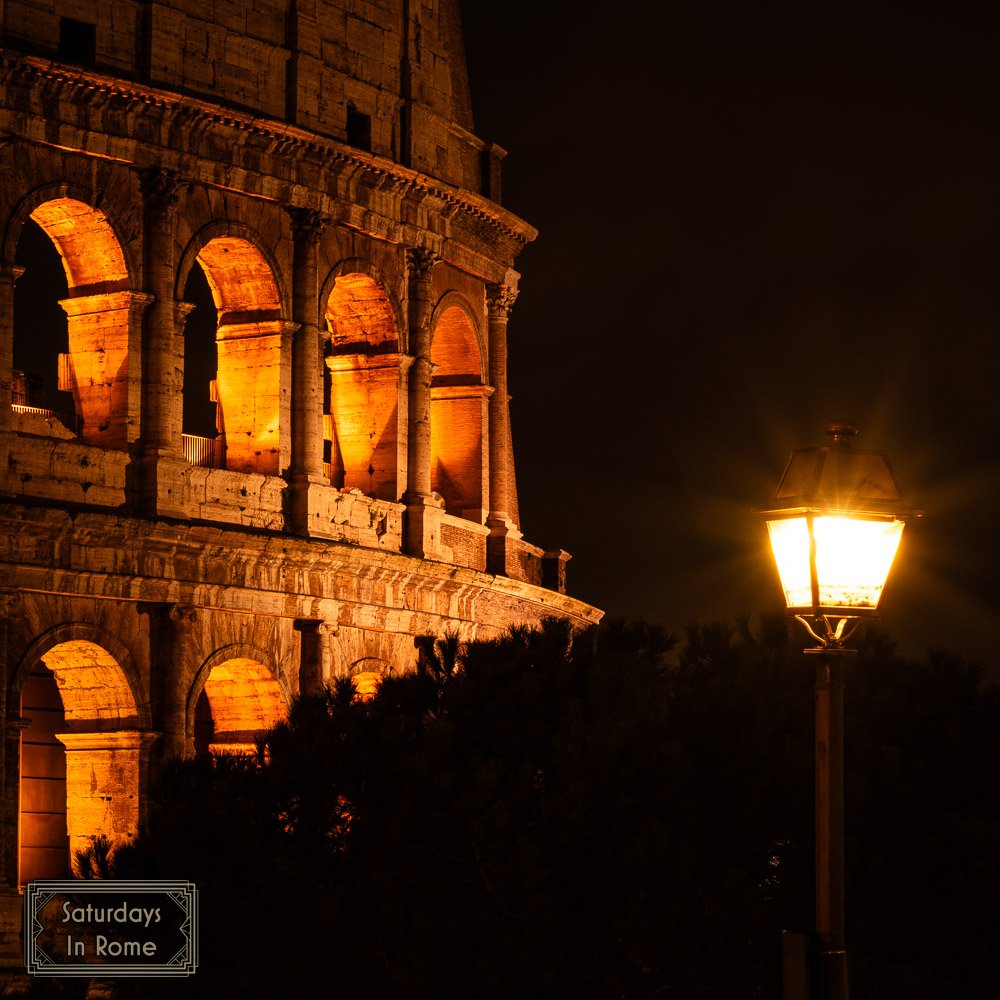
[(251, 329)]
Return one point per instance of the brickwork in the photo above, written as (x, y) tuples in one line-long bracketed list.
[(316, 162)]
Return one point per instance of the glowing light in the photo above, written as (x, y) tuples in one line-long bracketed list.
[(835, 527), (790, 544), (366, 684), (850, 556), (364, 387)]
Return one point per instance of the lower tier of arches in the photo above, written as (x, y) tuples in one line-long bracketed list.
[(125, 641)]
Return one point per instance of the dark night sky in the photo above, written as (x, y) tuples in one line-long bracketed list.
[(753, 219)]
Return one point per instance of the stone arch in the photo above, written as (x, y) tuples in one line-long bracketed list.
[(237, 695), (367, 673), (457, 345), (117, 670), (103, 313), (360, 267), (252, 383), (68, 191), (231, 230), (84, 760), (363, 382), (459, 401)]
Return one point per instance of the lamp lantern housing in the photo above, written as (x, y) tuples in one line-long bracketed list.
[(835, 525)]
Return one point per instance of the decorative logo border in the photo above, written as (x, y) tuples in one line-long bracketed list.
[(38, 963)]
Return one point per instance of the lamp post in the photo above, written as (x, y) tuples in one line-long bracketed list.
[(834, 527)]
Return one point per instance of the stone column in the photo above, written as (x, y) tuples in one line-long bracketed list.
[(307, 366), (421, 524), (106, 782), (499, 299), (8, 276), (12, 726), (418, 475), (503, 528), (314, 654), (162, 349), (171, 627)]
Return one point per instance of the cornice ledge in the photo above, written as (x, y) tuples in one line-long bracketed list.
[(97, 87)]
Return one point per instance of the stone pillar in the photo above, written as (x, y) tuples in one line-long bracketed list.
[(421, 532), (171, 627), (554, 569), (106, 782), (314, 655), (499, 299), (8, 276), (103, 369), (307, 366), (492, 156), (11, 902), (503, 528), (418, 475), (9, 600), (162, 349), (254, 381), (13, 726)]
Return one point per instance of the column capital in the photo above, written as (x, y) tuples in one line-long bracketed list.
[(183, 614), (318, 625), (9, 273), (160, 188), (182, 310), (420, 262), (500, 299), (307, 225), (14, 725), (175, 612)]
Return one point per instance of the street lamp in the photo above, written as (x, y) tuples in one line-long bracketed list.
[(834, 527)]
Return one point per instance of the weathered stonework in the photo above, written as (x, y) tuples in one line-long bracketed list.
[(166, 593)]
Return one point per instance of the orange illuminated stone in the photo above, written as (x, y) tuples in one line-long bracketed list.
[(458, 416)]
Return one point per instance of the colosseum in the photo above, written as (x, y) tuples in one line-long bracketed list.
[(254, 294)]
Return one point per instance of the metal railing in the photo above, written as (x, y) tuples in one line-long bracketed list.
[(208, 453), (71, 421)]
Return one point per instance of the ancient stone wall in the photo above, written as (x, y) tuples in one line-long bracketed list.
[(356, 71), (168, 591)]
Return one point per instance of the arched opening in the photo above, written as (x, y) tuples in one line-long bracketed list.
[(83, 759), (203, 441), (362, 389), (41, 335), (367, 674), (243, 361), (458, 415), (71, 327), (241, 700)]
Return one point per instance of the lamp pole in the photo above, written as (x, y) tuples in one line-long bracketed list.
[(829, 698), (834, 526)]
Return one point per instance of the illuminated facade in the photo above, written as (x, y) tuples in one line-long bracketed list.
[(169, 586)]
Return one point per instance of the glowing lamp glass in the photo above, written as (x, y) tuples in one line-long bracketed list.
[(853, 557)]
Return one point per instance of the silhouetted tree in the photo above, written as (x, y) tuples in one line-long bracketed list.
[(605, 814)]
